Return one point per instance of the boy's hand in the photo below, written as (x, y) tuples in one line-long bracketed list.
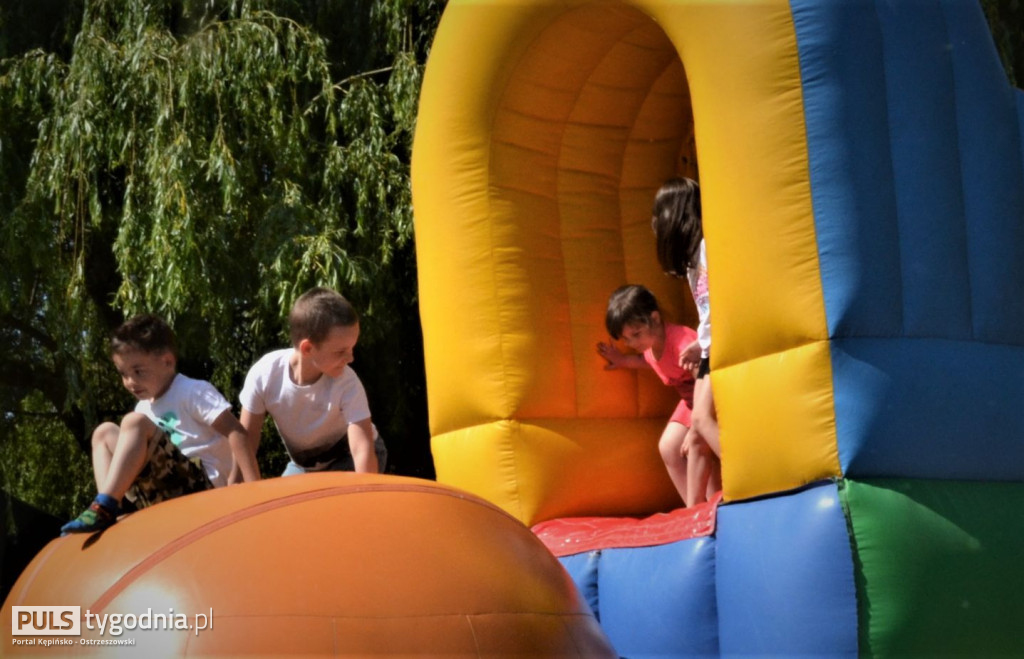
[(360, 445), (227, 425), (689, 358), (235, 476), (611, 355)]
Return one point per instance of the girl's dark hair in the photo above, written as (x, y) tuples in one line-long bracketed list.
[(146, 333), (628, 305), (317, 312), (676, 221)]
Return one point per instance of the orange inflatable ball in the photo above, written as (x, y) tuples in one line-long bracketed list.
[(335, 564)]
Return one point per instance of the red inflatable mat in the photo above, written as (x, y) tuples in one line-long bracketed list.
[(574, 535)]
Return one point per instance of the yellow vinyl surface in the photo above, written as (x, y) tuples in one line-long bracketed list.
[(544, 130)]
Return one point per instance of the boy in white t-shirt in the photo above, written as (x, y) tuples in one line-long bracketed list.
[(315, 398), (180, 439)]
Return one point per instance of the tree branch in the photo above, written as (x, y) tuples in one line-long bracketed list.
[(25, 328)]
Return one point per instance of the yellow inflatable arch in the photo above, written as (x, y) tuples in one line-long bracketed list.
[(544, 130)]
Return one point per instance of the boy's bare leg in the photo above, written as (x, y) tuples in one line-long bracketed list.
[(129, 456), (119, 454), (671, 448), (104, 439)]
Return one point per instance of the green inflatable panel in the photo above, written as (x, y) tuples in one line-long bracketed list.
[(938, 568)]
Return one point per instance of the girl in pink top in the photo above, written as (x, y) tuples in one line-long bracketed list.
[(634, 316)]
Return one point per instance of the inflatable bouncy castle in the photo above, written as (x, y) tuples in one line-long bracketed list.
[(327, 564), (862, 169), (862, 172)]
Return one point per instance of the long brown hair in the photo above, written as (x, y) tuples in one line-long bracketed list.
[(676, 221)]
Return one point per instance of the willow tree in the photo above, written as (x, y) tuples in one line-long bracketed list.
[(1006, 20), (207, 161)]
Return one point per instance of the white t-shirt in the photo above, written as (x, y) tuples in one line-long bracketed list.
[(186, 412), (306, 416), (698, 278)]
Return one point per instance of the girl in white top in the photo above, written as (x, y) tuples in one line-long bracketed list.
[(679, 232)]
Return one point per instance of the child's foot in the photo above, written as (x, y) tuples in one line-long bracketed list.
[(100, 514)]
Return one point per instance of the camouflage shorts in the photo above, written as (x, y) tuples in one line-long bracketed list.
[(167, 474)]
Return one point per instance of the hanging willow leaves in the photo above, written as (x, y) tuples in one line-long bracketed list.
[(208, 161)]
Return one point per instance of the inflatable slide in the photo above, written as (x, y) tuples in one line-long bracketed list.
[(863, 187)]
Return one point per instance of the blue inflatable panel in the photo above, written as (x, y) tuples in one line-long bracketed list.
[(660, 601), (583, 570), (786, 577), (914, 143), (656, 601), (901, 409), (853, 194), (918, 195), (1020, 119), (989, 142), (921, 95)]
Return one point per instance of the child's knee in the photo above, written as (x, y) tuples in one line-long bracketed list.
[(137, 427), (136, 421), (671, 443), (666, 451), (105, 434), (704, 424), (695, 444)]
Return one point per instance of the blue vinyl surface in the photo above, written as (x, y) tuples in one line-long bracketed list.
[(786, 576), (583, 570), (654, 601), (917, 183), (660, 601)]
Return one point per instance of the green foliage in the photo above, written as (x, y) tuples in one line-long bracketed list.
[(44, 465), (206, 160), (1006, 20)]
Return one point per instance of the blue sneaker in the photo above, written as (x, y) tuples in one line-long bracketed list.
[(100, 514)]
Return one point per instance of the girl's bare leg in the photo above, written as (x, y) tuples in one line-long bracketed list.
[(671, 448), (699, 460), (715, 480), (705, 419)]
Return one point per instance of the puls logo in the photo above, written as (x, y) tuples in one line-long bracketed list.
[(46, 620)]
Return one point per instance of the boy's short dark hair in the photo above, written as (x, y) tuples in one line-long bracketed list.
[(628, 305), (317, 312), (145, 333)]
